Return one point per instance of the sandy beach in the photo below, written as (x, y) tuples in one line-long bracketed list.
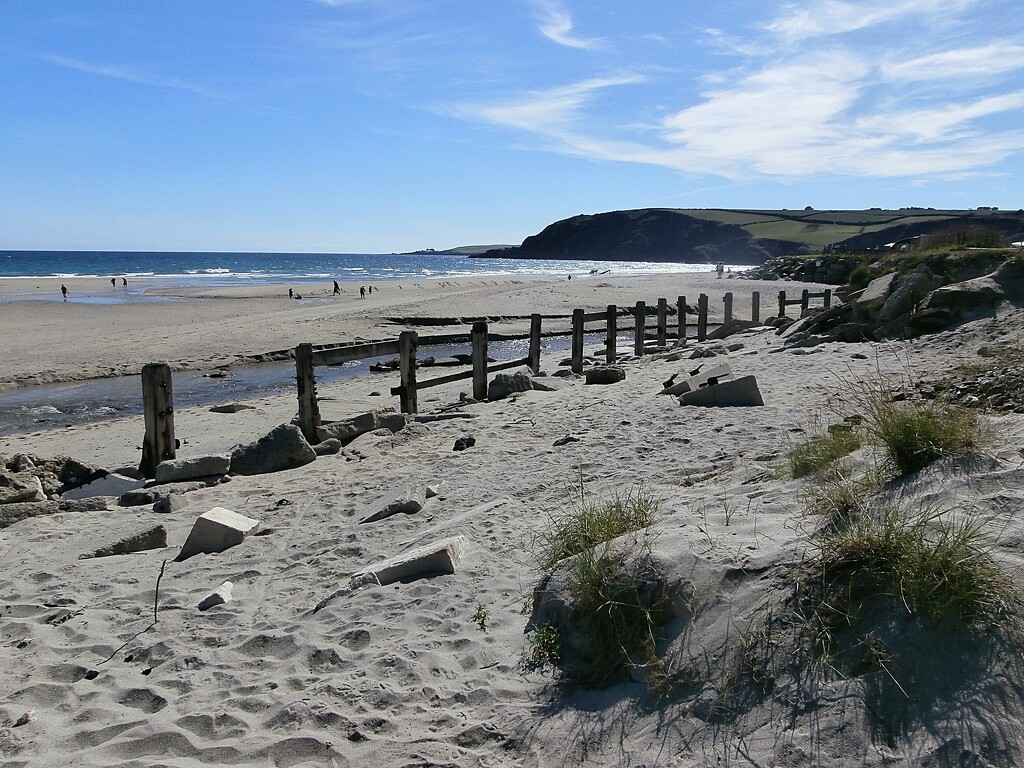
[(409, 673)]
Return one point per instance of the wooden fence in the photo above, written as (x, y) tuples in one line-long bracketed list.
[(159, 443)]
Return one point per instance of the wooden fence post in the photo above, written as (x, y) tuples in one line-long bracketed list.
[(577, 341), (727, 301), (805, 301), (638, 328), (755, 307), (681, 319), (782, 303), (407, 369), (702, 317), (828, 298), (479, 339), (309, 409), (158, 407), (662, 322), (610, 336), (534, 361)]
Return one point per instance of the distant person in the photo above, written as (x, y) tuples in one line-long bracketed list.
[(370, 289), (124, 282), (337, 288), (720, 269), (291, 294), (570, 278), (362, 291), (64, 291), (113, 282)]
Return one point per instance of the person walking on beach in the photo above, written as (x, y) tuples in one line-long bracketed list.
[(113, 282), (362, 291), (720, 269), (124, 282), (64, 291), (337, 288)]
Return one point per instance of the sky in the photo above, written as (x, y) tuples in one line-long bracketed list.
[(376, 126)]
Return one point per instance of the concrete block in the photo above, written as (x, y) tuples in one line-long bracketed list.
[(407, 502), (700, 379), (732, 393), (108, 485), (605, 374), (429, 560), (217, 530), (219, 596), (154, 537)]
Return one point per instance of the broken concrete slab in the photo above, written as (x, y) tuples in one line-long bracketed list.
[(154, 537), (733, 326), (191, 467), (13, 513), (441, 557), (219, 596), (505, 384), (703, 377), (407, 502), (605, 374), (732, 393), (217, 530), (111, 484)]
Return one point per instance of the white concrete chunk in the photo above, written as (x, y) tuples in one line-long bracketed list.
[(111, 484), (219, 596), (217, 530), (439, 557)]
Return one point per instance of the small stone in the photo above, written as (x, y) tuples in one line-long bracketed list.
[(328, 447), (165, 505), (565, 440), (464, 442), (25, 719)]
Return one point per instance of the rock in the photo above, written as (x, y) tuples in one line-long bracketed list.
[(464, 442), (407, 503), (733, 326), (176, 470), (13, 513), (139, 496), (111, 484), (219, 596), (910, 290), (347, 430), (969, 294), (154, 537), (283, 448), (18, 487), (23, 463), (166, 504), (231, 408), (504, 384), (328, 447), (442, 557), (565, 441), (735, 392), (605, 374), (875, 295), (394, 422), (217, 530)]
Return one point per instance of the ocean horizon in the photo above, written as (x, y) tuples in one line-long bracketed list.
[(216, 268)]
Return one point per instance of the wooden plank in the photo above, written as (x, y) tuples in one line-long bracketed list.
[(755, 306), (407, 370), (309, 409), (480, 361), (638, 329), (508, 364), (662, 322), (158, 408), (337, 355), (610, 334), (577, 341), (702, 317), (681, 319), (805, 300), (593, 317), (727, 302)]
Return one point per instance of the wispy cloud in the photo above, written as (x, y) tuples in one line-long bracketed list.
[(555, 23), (987, 60), (823, 18), (133, 76)]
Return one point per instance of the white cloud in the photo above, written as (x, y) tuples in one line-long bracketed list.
[(132, 76), (987, 60), (555, 23), (835, 17)]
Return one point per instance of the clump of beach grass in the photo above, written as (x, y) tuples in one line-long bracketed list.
[(822, 450)]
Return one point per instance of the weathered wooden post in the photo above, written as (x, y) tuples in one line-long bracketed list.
[(755, 307), (158, 407), (577, 341), (662, 322), (309, 408), (805, 301), (534, 361), (828, 298), (681, 319), (702, 317), (610, 336), (782, 303), (727, 301), (638, 328), (479, 340), (407, 370)]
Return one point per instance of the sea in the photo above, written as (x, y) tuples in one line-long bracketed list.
[(52, 406)]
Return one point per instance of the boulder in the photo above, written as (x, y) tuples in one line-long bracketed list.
[(283, 448), (969, 294), (605, 374), (154, 537), (13, 513), (732, 393), (110, 484), (219, 596), (347, 430), (215, 531), (18, 487), (911, 289), (406, 502), (328, 447), (178, 469), (441, 557), (878, 290), (504, 384), (167, 504)]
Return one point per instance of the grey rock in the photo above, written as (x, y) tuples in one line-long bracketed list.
[(13, 513), (910, 290), (283, 448), (347, 430), (217, 530), (394, 422), (464, 442), (404, 503), (178, 469), (167, 504), (877, 292), (219, 596), (328, 447), (565, 441), (154, 537), (231, 408), (441, 557), (18, 487), (504, 384), (606, 374)]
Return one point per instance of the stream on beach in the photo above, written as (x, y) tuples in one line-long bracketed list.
[(53, 406)]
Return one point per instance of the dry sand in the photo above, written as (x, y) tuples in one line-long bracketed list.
[(403, 675)]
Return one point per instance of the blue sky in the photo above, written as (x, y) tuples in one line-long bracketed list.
[(389, 125)]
